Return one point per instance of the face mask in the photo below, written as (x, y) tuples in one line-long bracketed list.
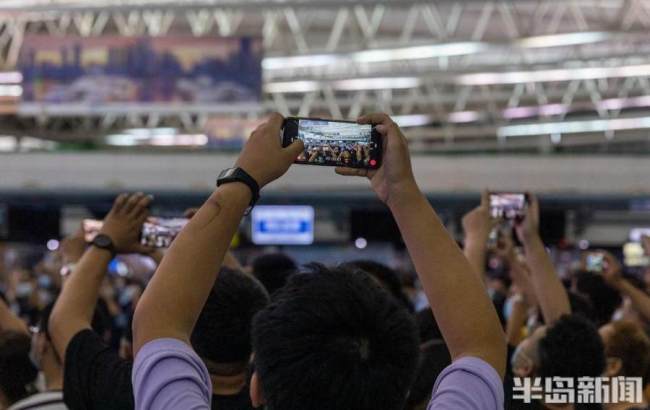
[(44, 281), (23, 289)]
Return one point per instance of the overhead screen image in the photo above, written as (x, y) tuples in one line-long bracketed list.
[(335, 143), (110, 71)]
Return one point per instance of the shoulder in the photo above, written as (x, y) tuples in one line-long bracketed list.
[(470, 383)]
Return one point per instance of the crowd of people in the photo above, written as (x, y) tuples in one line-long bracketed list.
[(206, 332), (334, 153)]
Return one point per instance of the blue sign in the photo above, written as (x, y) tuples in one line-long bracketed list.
[(282, 225)]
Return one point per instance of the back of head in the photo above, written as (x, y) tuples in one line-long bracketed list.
[(273, 270), (628, 342), (17, 372), (222, 335), (386, 276), (334, 339), (572, 347), (604, 298)]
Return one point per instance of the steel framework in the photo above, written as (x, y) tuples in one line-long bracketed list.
[(461, 73)]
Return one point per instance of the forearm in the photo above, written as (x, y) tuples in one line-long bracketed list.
[(475, 251), (9, 321), (521, 279), (640, 300), (75, 306), (516, 322), (175, 296), (551, 294), (460, 304)]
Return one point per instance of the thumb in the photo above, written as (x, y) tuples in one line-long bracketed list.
[(485, 198), (293, 150)]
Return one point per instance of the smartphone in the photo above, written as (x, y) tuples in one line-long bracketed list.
[(156, 232), (161, 232), (594, 262), (508, 205), (334, 143)]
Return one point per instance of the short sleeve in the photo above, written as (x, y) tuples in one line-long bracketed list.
[(168, 374), (94, 375), (468, 384)]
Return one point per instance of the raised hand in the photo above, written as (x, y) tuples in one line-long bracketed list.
[(528, 227), (263, 156), (612, 270), (124, 222), (395, 176), (478, 223)]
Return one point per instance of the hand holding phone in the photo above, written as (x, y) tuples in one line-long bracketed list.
[(595, 262), (508, 205), (334, 143)]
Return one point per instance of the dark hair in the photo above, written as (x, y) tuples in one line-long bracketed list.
[(273, 270), (334, 339), (572, 347), (629, 343), (603, 297), (387, 278), (17, 372), (222, 333)]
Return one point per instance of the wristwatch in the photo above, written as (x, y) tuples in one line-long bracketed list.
[(105, 242), (239, 175)]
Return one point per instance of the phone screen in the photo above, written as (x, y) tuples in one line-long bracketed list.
[(507, 205), (160, 232), (91, 228), (594, 262), (335, 143)]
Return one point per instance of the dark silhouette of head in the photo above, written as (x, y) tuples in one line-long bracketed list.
[(222, 335), (333, 339), (273, 270), (386, 276), (17, 372)]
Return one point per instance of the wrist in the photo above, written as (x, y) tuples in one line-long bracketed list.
[(403, 195), (532, 240)]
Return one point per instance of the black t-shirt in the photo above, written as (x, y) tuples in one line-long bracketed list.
[(241, 401), (95, 376)]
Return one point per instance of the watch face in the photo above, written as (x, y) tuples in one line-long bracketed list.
[(228, 172), (102, 241)]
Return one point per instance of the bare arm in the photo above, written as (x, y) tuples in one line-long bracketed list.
[(551, 294), (175, 296), (477, 225), (75, 306), (460, 304), (612, 274), (9, 321)]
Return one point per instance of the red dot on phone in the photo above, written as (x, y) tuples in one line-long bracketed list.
[(373, 162)]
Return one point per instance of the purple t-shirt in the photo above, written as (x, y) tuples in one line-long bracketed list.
[(168, 374)]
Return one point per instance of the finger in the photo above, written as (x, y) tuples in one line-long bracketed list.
[(119, 202), (485, 198), (375, 118), (142, 206), (296, 148), (355, 172), (132, 202), (275, 121)]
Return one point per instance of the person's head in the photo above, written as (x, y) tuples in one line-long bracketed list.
[(333, 339), (570, 347), (604, 298), (273, 270), (627, 349), (17, 373), (222, 334), (387, 278)]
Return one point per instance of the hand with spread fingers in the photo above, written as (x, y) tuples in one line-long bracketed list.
[(395, 175), (124, 222), (263, 156)]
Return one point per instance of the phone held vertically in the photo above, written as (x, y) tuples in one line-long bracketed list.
[(334, 142)]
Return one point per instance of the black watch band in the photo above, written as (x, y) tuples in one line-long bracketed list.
[(239, 175), (104, 242)]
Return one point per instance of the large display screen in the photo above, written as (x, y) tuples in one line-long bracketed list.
[(77, 74), (282, 225)]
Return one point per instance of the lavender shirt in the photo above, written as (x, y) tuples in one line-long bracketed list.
[(168, 374)]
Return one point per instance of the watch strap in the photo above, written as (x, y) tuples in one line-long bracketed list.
[(239, 175)]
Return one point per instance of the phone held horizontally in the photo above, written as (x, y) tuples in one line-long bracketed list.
[(334, 142)]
